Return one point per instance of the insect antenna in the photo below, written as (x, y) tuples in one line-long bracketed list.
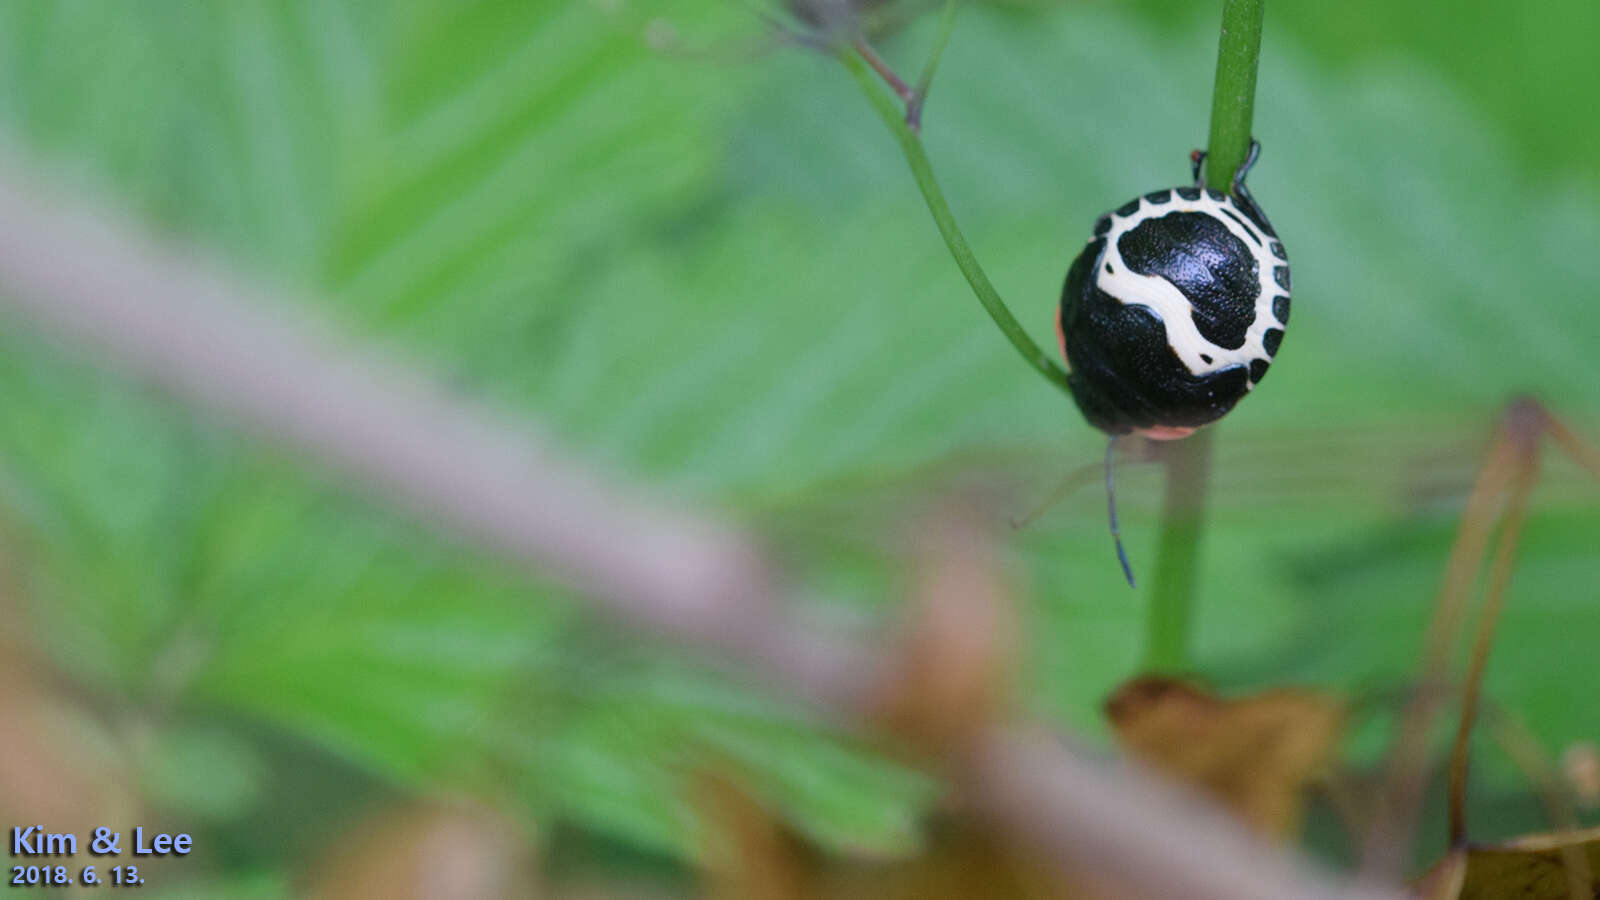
[(1111, 505)]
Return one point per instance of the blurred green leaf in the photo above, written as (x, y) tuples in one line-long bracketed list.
[(206, 773)]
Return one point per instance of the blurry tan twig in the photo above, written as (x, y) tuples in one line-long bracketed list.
[(1499, 495), (1500, 569), (173, 318), (1389, 838)]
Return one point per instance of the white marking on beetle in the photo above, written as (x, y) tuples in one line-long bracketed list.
[(1170, 305)]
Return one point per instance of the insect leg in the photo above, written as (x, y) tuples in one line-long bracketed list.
[(1241, 194)]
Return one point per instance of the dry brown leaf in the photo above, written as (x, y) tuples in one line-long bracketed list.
[(952, 669), (58, 764), (750, 855), (1534, 867), (960, 860), (753, 856), (1444, 880), (1254, 754), (441, 851), (61, 764)]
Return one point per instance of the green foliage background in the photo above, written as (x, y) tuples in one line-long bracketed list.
[(712, 272)]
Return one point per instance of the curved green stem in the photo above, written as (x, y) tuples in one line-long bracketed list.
[(922, 170), (1170, 619)]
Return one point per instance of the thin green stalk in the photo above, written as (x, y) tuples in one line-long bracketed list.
[(1233, 97), (922, 171), (1170, 620), (947, 26), (919, 96)]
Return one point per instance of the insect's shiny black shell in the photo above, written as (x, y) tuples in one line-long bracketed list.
[(1173, 311)]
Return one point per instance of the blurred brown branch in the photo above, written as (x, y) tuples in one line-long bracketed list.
[(175, 318)]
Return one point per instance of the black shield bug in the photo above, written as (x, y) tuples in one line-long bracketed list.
[(1173, 311)]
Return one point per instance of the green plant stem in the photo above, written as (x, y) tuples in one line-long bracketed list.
[(1170, 618), (922, 170), (1233, 97)]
